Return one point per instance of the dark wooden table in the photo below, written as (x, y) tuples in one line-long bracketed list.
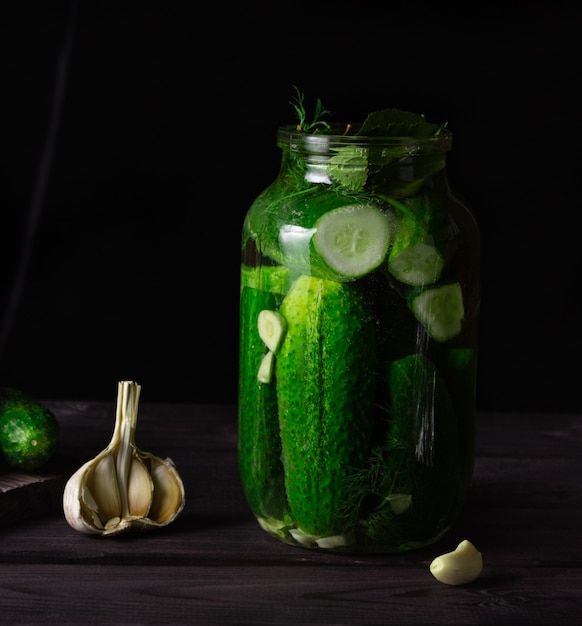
[(214, 565)]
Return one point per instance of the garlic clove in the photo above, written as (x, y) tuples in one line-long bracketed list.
[(168, 488), (123, 488), (459, 567), (79, 505), (108, 500), (140, 489)]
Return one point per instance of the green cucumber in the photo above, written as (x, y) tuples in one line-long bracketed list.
[(459, 369), (29, 431), (259, 445), (325, 392), (440, 310), (416, 471), (281, 223), (271, 278)]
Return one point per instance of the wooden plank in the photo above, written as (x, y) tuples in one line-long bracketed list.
[(214, 565), (25, 495), (288, 594)]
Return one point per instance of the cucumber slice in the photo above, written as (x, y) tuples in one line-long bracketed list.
[(414, 257), (440, 310), (417, 265), (272, 328), (352, 240)]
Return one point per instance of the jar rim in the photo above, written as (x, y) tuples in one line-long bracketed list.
[(297, 141)]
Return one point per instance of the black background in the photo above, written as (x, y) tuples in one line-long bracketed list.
[(133, 271)]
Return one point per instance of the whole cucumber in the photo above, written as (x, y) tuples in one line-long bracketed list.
[(259, 445), (325, 393)]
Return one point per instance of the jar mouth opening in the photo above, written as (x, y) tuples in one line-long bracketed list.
[(347, 134)]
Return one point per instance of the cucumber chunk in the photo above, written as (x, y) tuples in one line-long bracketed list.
[(417, 265), (352, 240), (440, 310)]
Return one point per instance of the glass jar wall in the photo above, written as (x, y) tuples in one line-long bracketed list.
[(359, 312)]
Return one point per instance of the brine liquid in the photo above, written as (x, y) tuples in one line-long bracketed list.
[(401, 479)]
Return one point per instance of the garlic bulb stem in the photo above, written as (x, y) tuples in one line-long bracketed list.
[(126, 415)]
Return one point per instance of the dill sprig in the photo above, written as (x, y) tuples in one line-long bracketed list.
[(303, 125)]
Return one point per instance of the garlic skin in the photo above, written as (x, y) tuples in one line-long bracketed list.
[(123, 488), (459, 567)]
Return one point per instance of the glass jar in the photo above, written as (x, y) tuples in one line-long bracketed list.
[(358, 339)]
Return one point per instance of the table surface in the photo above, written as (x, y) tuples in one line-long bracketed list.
[(214, 565)]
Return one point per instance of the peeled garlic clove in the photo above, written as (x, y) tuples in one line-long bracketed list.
[(123, 488), (459, 567)]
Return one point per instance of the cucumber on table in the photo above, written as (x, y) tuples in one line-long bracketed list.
[(259, 455), (29, 431), (325, 393)]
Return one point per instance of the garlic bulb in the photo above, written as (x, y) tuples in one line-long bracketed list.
[(123, 488)]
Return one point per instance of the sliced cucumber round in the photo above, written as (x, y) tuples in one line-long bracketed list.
[(440, 310), (352, 240), (417, 265)]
